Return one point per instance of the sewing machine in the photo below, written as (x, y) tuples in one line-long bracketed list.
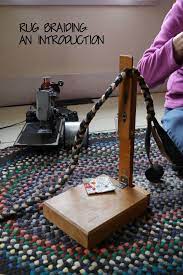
[(48, 124)]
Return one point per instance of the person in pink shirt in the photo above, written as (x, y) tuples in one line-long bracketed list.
[(164, 59)]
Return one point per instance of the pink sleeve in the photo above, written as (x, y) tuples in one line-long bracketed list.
[(158, 61)]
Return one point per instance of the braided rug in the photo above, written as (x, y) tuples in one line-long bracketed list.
[(29, 244)]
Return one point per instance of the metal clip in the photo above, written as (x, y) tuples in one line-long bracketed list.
[(124, 180)]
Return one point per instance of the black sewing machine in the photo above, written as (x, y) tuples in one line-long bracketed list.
[(48, 124)]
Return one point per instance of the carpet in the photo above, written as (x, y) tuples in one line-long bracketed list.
[(29, 244)]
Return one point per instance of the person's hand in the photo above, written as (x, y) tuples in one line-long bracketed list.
[(178, 48)]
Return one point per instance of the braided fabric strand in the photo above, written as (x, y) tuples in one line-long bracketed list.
[(18, 209), (149, 108), (147, 95)]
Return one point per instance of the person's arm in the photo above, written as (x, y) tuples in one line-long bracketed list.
[(161, 59)]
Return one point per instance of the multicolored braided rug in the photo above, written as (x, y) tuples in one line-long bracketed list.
[(29, 244)]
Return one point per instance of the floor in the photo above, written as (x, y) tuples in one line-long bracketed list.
[(103, 121)]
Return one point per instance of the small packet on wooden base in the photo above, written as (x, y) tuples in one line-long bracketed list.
[(100, 184)]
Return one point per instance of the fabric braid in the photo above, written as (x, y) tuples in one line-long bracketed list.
[(29, 204)]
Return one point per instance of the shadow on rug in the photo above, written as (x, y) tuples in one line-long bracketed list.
[(29, 244)]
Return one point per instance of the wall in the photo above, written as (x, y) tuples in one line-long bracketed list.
[(86, 69)]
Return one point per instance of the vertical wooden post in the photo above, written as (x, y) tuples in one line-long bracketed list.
[(126, 122)]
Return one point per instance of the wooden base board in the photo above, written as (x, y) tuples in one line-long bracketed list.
[(90, 219)]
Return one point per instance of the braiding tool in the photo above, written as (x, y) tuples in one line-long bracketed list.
[(90, 218)]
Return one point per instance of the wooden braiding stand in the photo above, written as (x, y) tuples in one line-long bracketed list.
[(90, 219)]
